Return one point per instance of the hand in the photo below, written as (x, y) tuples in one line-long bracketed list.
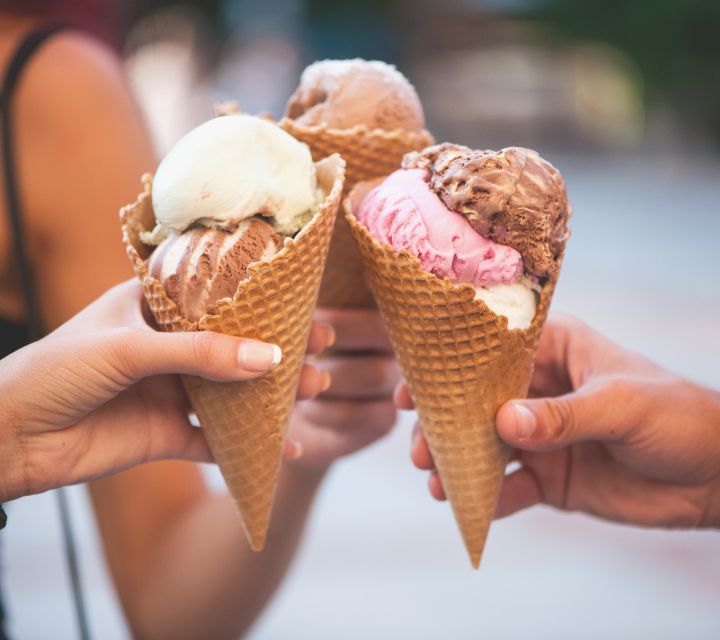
[(609, 433), (357, 408), (93, 397)]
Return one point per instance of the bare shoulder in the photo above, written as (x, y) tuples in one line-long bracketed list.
[(70, 60), (72, 74), (77, 120)]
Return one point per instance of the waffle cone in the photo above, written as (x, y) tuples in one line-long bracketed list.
[(245, 423), (461, 363), (369, 153)]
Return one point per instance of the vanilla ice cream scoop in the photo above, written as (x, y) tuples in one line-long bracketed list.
[(517, 302), (232, 168)]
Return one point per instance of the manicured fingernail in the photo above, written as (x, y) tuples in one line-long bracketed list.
[(258, 356), (326, 381), (525, 421)]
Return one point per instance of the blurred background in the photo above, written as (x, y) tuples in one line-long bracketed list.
[(624, 98)]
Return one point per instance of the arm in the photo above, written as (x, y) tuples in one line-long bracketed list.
[(609, 433), (84, 149), (198, 577), (90, 398)]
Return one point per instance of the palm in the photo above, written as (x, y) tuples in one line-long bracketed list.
[(322, 443), (145, 419), (588, 477)]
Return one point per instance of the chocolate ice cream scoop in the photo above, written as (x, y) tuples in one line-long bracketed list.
[(345, 93), (511, 196), (205, 264)]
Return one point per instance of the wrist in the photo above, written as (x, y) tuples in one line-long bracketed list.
[(11, 484)]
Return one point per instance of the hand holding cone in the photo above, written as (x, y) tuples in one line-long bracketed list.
[(461, 363)]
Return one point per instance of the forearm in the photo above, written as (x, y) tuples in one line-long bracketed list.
[(205, 581), (18, 476)]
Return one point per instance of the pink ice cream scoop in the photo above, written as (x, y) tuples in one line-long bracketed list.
[(406, 214)]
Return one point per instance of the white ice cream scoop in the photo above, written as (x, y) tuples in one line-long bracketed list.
[(514, 301), (231, 168)]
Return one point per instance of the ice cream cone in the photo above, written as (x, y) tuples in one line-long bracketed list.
[(368, 154), (461, 364), (245, 423)]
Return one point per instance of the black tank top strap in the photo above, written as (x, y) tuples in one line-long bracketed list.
[(14, 70)]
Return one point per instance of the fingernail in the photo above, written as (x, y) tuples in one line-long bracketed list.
[(297, 450), (525, 421), (330, 340), (326, 381), (254, 355)]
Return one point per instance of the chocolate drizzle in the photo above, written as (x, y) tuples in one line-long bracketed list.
[(511, 196)]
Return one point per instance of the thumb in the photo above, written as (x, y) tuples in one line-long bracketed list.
[(210, 355), (606, 412)]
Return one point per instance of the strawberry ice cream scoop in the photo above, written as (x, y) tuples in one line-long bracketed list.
[(406, 214)]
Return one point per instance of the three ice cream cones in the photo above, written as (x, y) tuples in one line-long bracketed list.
[(449, 299)]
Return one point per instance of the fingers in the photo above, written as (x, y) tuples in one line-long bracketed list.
[(435, 487), (361, 376), (422, 459), (551, 376), (330, 429), (356, 329), (520, 490), (312, 382), (402, 398), (293, 450), (607, 410), (140, 353), (118, 307), (420, 452), (322, 336), (196, 448), (340, 414)]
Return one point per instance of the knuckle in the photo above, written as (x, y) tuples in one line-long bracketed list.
[(560, 420), (384, 418), (346, 414), (381, 374), (122, 343), (203, 347)]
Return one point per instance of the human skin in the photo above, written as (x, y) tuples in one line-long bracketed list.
[(219, 573), (608, 433), (94, 397), (73, 113)]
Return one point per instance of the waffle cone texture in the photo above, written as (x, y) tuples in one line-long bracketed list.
[(461, 364), (245, 423), (369, 153)]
